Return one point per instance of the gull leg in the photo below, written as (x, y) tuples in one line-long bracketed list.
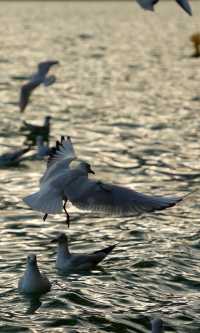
[(66, 213), (44, 217)]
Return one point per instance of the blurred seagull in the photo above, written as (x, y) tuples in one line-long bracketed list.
[(149, 5), (157, 326), (38, 78), (61, 182), (36, 130), (33, 282), (13, 158), (42, 149), (68, 262)]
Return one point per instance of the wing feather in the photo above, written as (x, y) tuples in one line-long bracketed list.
[(59, 159), (118, 200)]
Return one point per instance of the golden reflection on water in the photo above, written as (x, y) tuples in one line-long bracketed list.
[(128, 95)]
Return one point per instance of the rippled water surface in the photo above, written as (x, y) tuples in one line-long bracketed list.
[(128, 93)]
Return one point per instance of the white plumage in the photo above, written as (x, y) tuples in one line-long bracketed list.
[(75, 262), (33, 282)]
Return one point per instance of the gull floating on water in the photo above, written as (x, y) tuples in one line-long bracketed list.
[(149, 5), (61, 182), (33, 130), (157, 326), (13, 158), (33, 282), (38, 78), (67, 262)]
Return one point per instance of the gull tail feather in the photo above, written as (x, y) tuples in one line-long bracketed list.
[(48, 201)]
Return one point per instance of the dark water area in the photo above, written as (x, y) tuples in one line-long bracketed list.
[(128, 94)]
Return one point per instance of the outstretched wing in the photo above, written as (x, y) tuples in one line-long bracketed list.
[(59, 159), (147, 4), (118, 200), (185, 5), (44, 67), (25, 93)]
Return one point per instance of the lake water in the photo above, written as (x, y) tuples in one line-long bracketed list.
[(128, 93)]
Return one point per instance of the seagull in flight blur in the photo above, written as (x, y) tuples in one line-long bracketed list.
[(68, 262), (62, 182), (149, 5), (38, 78)]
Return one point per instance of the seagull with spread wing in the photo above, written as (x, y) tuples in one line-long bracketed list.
[(62, 182), (38, 78), (149, 5)]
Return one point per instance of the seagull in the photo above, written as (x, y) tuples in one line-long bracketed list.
[(33, 282), (157, 326), (13, 158), (33, 130), (38, 78), (62, 183), (67, 262), (149, 5)]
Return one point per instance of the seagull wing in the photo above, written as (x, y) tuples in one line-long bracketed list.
[(116, 200), (185, 5), (147, 4), (49, 80), (25, 93), (59, 159), (44, 67)]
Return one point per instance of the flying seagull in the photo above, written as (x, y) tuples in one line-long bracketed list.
[(33, 282), (38, 78), (149, 5), (63, 182), (67, 261)]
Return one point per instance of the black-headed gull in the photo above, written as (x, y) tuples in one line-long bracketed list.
[(149, 5), (63, 182), (13, 158), (68, 262), (157, 325), (38, 78), (33, 282), (32, 131)]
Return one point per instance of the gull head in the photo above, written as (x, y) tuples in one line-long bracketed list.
[(86, 167), (61, 239), (32, 259), (157, 325)]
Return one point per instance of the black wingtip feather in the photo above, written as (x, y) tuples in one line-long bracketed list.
[(107, 250)]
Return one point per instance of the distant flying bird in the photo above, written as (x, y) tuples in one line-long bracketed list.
[(61, 182), (13, 158), (68, 262), (38, 78), (33, 282), (33, 130), (149, 5), (157, 326)]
